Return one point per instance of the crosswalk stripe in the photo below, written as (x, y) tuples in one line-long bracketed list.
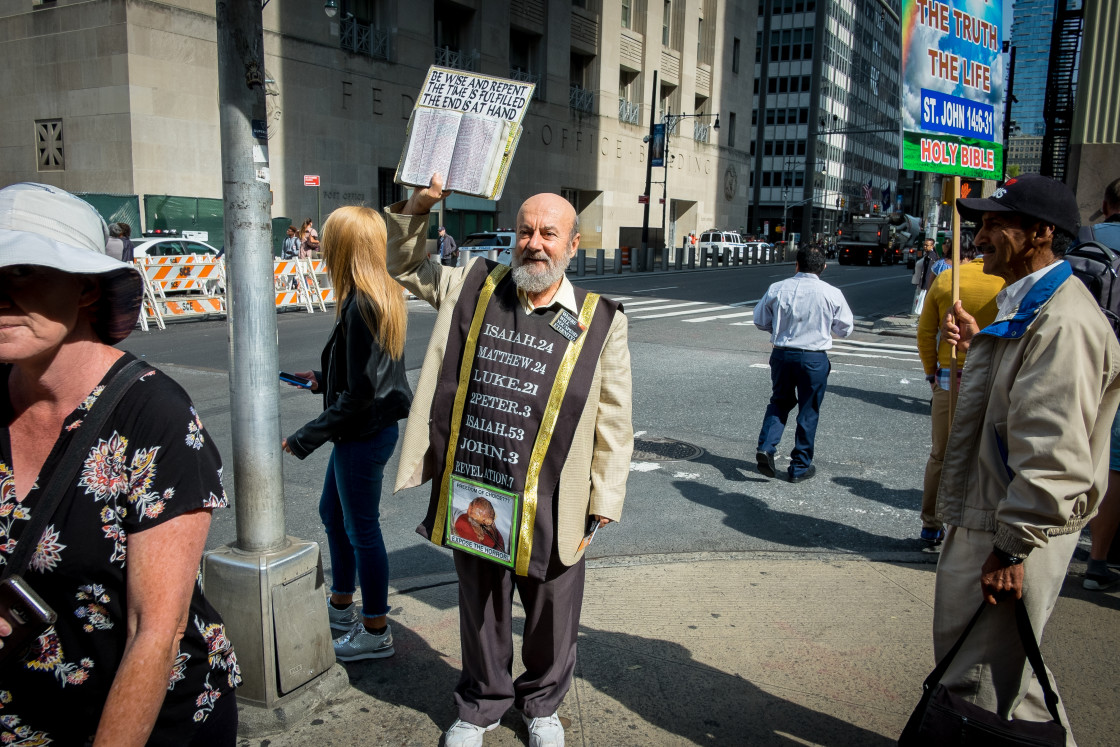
[(653, 302), (883, 346), (720, 316), (678, 313), (836, 351), (670, 306)]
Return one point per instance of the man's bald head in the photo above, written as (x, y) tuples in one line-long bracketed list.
[(555, 206)]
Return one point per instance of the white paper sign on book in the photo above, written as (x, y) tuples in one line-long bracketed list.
[(466, 127)]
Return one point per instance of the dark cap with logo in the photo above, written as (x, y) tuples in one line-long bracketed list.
[(1033, 195)]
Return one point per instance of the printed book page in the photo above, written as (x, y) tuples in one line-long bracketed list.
[(465, 126)]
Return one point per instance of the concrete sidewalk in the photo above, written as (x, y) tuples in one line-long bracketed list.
[(720, 649)]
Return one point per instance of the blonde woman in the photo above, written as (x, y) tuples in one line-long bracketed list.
[(365, 393)]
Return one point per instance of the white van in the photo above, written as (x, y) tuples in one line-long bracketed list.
[(720, 242)]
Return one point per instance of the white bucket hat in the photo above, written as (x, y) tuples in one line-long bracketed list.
[(49, 227)]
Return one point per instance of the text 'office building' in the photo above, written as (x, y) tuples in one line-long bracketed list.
[(825, 126), (120, 97)]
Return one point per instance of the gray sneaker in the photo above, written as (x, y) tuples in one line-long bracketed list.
[(360, 644), (342, 619)]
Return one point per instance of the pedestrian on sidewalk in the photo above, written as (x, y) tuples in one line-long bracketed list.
[(102, 460), (448, 249), (1098, 576), (524, 400), (1026, 462), (365, 392), (802, 314), (978, 298), (923, 274)]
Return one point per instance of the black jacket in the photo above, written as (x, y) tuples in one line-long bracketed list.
[(364, 390)]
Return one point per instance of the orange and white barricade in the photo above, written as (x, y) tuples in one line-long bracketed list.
[(182, 286), (319, 282), (289, 282)]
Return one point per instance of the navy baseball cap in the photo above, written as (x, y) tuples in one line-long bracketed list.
[(1033, 195)]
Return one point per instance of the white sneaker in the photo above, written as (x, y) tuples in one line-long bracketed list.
[(546, 731), (463, 734), (342, 620)]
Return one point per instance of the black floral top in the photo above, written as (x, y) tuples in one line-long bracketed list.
[(153, 461)]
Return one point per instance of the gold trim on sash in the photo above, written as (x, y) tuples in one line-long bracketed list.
[(461, 395), (544, 437)]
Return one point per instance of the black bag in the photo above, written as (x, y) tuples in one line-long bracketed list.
[(943, 719), (1098, 267)]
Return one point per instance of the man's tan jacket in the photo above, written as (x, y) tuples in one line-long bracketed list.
[(593, 480)]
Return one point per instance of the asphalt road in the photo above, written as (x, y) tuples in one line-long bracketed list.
[(700, 378)]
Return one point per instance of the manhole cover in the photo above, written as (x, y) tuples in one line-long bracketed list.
[(664, 450)]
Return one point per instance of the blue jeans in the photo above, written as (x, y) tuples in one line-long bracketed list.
[(799, 378), (349, 510)]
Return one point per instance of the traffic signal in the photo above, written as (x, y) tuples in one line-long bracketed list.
[(843, 202)]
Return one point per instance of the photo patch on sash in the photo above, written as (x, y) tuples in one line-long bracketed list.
[(567, 324), (483, 520)]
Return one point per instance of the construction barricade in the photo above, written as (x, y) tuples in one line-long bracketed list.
[(182, 286)]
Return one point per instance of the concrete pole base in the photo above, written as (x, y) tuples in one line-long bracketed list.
[(258, 720), (274, 605)]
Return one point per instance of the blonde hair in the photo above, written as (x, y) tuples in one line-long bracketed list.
[(353, 244)]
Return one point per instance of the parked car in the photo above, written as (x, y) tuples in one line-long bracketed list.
[(716, 241), (503, 239), (173, 247), (758, 250)]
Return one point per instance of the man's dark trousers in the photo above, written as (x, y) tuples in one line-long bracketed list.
[(799, 378), (486, 687)]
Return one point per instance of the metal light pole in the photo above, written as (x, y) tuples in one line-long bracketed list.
[(669, 121), (649, 176), (267, 586)]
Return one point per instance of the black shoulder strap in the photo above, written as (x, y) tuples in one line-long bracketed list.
[(71, 462), (1030, 646)]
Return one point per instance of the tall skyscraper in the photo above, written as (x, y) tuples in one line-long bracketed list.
[(1030, 35), (825, 128)]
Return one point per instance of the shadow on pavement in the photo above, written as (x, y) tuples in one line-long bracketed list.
[(900, 402), (659, 682), (754, 518), (731, 468), (876, 491), (418, 677)]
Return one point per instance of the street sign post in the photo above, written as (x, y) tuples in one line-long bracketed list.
[(312, 180)]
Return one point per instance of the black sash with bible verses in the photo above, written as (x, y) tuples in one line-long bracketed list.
[(502, 422)]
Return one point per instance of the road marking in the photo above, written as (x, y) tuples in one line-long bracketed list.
[(652, 302), (865, 282), (651, 290), (834, 351), (671, 306), (880, 345), (620, 298), (680, 313), (744, 303), (719, 316)]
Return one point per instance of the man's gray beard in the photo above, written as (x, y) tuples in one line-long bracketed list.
[(537, 283)]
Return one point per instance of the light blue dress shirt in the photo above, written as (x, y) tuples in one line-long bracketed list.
[(803, 312)]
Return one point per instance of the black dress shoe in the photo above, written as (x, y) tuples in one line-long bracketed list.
[(808, 473), (766, 464)]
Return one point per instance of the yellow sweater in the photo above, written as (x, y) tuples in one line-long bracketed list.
[(978, 296)]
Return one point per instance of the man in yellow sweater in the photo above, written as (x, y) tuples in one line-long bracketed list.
[(978, 296)]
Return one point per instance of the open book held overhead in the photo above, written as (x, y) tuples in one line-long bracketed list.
[(467, 126)]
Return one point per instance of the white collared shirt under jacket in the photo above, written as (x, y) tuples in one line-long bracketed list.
[(803, 312)]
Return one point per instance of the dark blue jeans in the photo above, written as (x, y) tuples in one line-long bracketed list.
[(799, 378), (349, 510)]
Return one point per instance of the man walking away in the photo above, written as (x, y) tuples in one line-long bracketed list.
[(1026, 462), (801, 314), (978, 297), (1103, 527), (923, 274), (448, 249), (114, 247)]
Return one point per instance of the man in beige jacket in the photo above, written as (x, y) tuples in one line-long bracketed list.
[(1027, 459), (524, 399)]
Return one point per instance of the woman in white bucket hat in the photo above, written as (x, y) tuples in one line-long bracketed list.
[(107, 481)]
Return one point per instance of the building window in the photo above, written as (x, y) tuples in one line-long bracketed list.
[(665, 22), (388, 191), (626, 13), (48, 144), (735, 56), (731, 130)]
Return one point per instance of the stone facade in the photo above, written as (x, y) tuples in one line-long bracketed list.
[(134, 85)]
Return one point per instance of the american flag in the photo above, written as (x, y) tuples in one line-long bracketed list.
[(867, 193)]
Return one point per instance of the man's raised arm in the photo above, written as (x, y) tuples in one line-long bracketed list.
[(406, 252)]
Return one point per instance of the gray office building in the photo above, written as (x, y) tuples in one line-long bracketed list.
[(825, 128)]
